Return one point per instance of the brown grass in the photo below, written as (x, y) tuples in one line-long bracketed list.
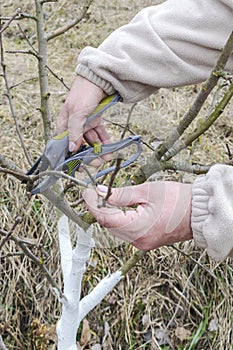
[(176, 296)]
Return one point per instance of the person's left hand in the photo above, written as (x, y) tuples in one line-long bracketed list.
[(158, 213)]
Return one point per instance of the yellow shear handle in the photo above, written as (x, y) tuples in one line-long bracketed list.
[(104, 104)]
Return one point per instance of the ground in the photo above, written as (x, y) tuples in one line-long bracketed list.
[(176, 297)]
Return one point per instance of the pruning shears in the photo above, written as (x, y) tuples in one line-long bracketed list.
[(56, 155)]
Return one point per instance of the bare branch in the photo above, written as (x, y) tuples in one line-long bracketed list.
[(9, 165), (7, 24), (127, 121), (187, 140), (23, 52), (18, 220), (53, 34), (44, 1), (22, 82), (37, 261), (186, 167), (16, 174), (21, 16), (58, 78), (59, 174), (9, 96), (132, 261), (57, 200), (27, 39), (199, 101), (112, 179), (152, 165), (43, 74)]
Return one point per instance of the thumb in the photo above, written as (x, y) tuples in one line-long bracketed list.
[(75, 128), (125, 196)]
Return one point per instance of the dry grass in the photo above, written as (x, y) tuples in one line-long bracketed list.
[(176, 297)]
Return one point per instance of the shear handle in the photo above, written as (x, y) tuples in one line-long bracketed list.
[(87, 156)]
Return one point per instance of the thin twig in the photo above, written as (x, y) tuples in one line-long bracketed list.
[(130, 131), (33, 178), (9, 96), (21, 16), (8, 255), (18, 220), (206, 89), (23, 52), (228, 152), (188, 139), (44, 1), (132, 261), (53, 34), (112, 179), (152, 164), (59, 174), (56, 199), (22, 82), (58, 78), (113, 175), (7, 24), (37, 261), (127, 121), (27, 39), (184, 289)]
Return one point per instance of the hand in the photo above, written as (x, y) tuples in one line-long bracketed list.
[(82, 100), (161, 217)]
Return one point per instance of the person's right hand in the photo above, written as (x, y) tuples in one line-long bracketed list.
[(82, 100)]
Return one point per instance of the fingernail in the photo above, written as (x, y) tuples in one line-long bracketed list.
[(72, 146), (102, 188)]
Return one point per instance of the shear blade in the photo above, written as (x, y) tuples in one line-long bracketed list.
[(44, 184)]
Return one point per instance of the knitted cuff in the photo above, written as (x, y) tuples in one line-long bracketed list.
[(85, 72), (212, 212)]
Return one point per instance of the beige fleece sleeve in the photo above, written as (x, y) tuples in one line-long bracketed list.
[(172, 44), (212, 212)]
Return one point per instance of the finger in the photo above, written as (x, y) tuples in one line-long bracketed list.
[(103, 134), (126, 196), (110, 217), (100, 136), (75, 127), (62, 120)]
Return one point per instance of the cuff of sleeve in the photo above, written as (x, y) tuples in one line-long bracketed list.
[(212, 212), (85, 72)]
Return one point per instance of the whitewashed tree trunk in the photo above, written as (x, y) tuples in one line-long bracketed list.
[(73, 263)]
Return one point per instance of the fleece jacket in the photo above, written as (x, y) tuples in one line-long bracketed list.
[(173, 44)]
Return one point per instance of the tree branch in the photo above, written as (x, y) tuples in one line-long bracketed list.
[(53, 34), (7, 24), (9, 96), (37, 261), (43, 74), (188, 139), (152, 164), (57, 200), (206, 89)]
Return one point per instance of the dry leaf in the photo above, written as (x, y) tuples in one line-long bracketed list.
[(213, 325), (96, 347), (182, 333), (86, 334), (161, 336)]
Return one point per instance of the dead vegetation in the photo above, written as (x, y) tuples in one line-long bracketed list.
[(176, 297)]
